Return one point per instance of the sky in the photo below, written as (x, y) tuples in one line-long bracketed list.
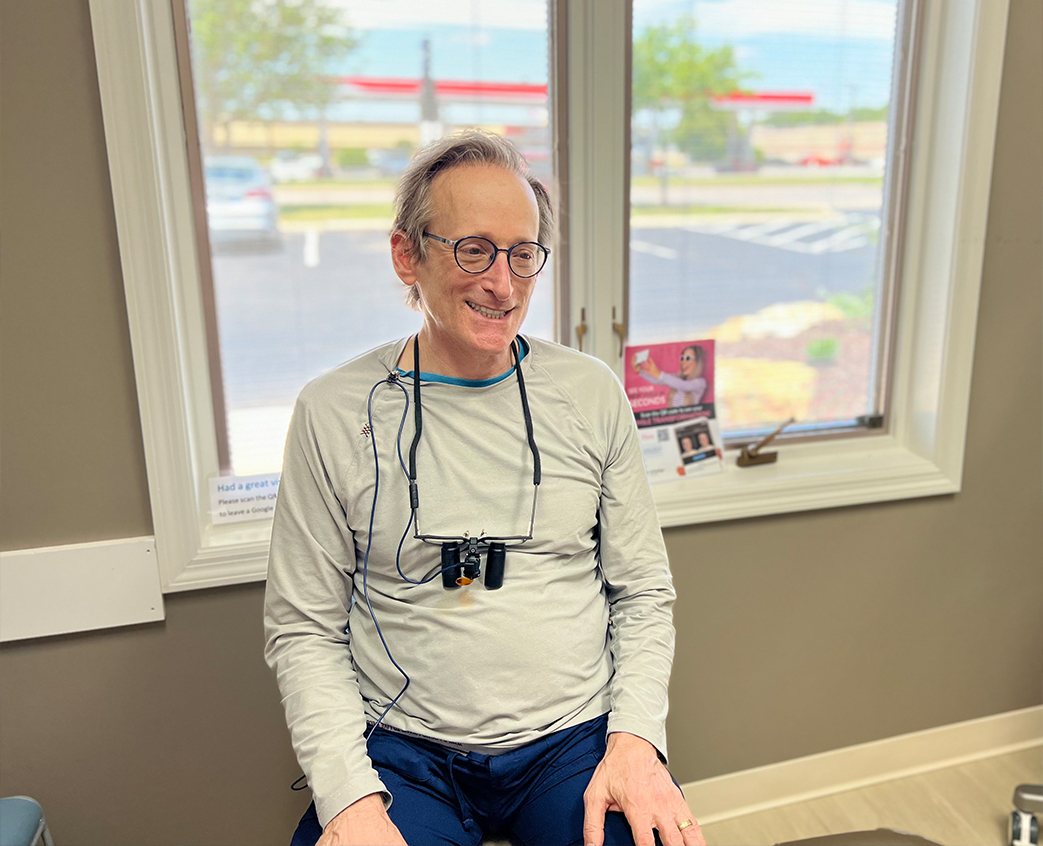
[(737, 19), (722, 18), (838, 50)]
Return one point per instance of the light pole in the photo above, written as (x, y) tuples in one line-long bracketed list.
[(430, 126)]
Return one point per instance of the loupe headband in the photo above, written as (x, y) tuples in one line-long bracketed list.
[(414, 495)]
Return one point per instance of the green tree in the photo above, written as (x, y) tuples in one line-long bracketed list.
[(672, 71), (820, 117), (254, 58)]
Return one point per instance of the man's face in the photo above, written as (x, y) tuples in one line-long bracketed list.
[(476, 314)]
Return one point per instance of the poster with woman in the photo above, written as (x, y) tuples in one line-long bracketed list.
[(669, 383), (671, 390)]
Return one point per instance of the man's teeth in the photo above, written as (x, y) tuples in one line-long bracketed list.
[(487, 312)]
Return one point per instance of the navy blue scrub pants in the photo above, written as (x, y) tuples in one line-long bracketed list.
[(532, 795)]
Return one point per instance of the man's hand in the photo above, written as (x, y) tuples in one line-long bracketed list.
[(362, 823), (632, 779)]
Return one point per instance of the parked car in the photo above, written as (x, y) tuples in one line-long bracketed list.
[(389, 161), (292, 167), (240, 207), (819, 160)]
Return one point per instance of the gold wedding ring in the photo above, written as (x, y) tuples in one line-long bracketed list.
[(681, 826)]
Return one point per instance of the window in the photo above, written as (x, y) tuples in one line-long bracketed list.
[(300, 148), (955, 89), (760, 141)]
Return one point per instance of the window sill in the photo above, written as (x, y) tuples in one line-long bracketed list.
[(806, 477), (226, 555)]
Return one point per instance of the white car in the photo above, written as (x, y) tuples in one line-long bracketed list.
[(240, 207), (290, 167)]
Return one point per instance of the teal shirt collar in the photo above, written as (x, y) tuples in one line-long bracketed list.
[(470, 383)]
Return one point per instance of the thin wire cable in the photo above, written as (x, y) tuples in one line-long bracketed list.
[(391, 380)]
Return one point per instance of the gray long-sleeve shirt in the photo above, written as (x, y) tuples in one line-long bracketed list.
[(582, 625)]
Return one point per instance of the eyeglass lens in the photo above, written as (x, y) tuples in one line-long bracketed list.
[(477, 254)]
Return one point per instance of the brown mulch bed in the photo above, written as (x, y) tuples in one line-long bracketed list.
[(841, 388)]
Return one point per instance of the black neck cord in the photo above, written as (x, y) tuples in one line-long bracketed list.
[(537, 472), (414, 497)]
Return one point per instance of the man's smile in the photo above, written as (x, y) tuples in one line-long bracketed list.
[(493, 314)]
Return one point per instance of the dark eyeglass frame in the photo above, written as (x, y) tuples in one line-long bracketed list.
[(545, 252)]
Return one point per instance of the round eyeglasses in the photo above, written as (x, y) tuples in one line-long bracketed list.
[(475, 254)]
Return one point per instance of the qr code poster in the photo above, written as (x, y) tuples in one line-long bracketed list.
[(671, 390)]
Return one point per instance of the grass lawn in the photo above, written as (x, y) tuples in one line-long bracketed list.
[(317, 213), (813, 178), (319, 184), (306, 214), (820, 178), (697, 210)]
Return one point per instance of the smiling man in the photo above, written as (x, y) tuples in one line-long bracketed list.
[(475, 640)]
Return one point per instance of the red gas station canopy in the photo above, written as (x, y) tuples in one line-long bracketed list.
[(774, 101), (447, 88)]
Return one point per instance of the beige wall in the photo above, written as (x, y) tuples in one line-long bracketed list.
[(796, 634), (69, 404)]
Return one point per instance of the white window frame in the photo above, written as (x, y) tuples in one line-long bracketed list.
[(950, 165)]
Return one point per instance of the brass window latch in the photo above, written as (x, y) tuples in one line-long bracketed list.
[(751, 455), (619, 328), (621, 331)]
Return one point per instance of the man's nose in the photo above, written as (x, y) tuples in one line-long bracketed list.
[(499, 280)]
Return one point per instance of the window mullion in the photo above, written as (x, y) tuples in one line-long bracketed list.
[(596, 38)]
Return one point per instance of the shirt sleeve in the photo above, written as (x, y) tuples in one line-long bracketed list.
[(308, 645), (640, 588)]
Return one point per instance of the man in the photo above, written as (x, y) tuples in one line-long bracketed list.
[(427, 703)]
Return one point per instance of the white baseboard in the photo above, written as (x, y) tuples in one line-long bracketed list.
[(78, 587), (748, 791)]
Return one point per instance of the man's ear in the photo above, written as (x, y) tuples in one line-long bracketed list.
[(404, 257)]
